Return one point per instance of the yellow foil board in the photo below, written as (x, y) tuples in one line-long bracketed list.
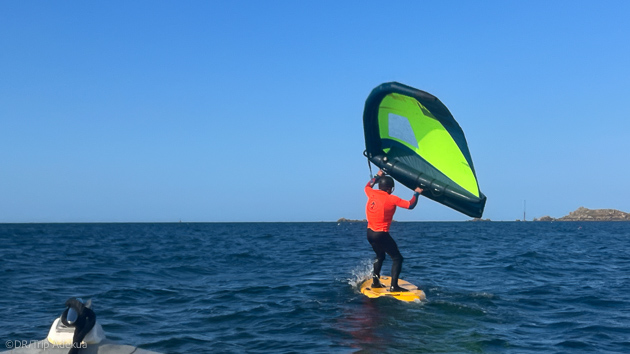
[(412, 295)]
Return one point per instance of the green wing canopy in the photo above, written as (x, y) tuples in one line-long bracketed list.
[(413, 137)]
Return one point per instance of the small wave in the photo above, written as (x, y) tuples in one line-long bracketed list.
[(482, 295), (574, 344), (460, 309)]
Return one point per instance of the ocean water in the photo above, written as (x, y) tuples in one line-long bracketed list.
[(491, 287)]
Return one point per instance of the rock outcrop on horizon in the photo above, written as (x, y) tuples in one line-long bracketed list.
[(350, 220), (479, 219), (585, 214)]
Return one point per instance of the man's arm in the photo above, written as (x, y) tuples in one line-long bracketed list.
[(411, 203), (375, 179)]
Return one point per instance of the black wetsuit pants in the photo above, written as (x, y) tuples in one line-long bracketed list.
[(383, 243)]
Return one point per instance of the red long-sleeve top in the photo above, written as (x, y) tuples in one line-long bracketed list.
[(381, 207)]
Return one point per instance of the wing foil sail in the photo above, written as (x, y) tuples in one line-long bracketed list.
[(413, 137)]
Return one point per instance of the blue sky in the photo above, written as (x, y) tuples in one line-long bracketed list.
[(252, 110)]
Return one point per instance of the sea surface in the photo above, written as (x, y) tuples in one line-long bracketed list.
[(492, 287)]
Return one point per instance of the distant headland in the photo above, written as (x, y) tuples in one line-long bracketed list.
[(350, 220), (581, 214), (584, 214)]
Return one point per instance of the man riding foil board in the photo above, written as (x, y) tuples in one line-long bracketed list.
[(380, 209)]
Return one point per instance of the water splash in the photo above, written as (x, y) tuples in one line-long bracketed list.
[(361, 273)]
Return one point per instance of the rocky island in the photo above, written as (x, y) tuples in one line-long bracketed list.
[(350, 220), (584, 214)]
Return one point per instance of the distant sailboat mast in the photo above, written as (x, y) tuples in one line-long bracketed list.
[(524, 209)]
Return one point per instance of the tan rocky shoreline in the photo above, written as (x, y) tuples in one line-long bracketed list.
[(585, 214), (581, 214)]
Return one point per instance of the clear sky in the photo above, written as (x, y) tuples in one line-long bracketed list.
[(252, 110)]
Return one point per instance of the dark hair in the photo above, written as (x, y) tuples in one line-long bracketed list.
[(385, 183)]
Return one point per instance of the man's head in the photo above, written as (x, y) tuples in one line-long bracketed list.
[(386, 184)]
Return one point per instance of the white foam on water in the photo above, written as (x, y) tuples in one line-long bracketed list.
[(361, 273)]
